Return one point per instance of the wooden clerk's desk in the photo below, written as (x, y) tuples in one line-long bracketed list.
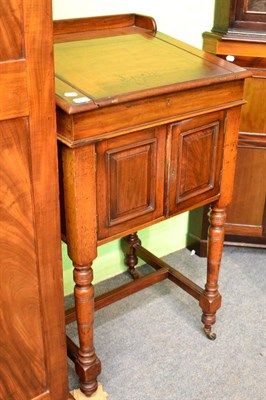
[(147, 129)]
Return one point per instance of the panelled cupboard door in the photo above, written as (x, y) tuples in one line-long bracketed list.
[(32, 333), (131, 177), (196, 160)]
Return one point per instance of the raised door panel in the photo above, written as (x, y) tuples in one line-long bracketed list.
[(196, 157), (130, 181)]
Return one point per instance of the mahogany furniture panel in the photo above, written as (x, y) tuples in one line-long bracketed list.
[(32, 339), (239, 35), (120, 205), (147, 128), (196, 160)]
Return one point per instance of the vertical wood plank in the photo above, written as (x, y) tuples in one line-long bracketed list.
[(33, 360), (40, 75)]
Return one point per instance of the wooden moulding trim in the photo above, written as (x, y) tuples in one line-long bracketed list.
[(245, 38), (245, 229), (258, 73), (237, 36), (238, 49), (252, 140), (220, 44), (243, 242), (234, 239), (83, 142)]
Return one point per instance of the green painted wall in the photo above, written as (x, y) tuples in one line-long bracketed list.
[(185, 21)]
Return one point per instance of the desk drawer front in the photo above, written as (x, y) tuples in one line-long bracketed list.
[(130, 180), (196, 159)]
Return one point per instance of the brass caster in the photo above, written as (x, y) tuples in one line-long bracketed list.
[(210, 335)]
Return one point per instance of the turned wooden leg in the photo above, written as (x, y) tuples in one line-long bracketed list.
[(131, 260), (210, 301), (87, 365)]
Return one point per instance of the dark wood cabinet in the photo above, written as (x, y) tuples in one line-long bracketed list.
[(147, 129), (240, 19), (239, 36)]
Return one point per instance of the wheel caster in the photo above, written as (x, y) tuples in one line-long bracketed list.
[(210, 335)]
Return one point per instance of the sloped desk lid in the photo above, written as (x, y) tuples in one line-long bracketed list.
[(118, 64)]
